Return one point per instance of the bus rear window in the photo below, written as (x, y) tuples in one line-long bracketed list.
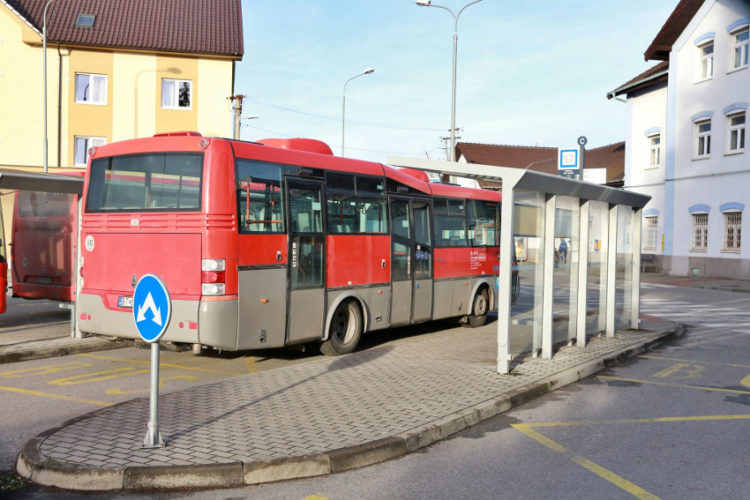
[(41, 204), (153, 182)]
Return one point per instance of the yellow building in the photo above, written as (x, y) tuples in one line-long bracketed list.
[(116, 70)]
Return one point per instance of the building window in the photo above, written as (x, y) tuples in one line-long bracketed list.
[(703, 135), (706, 53), (655, 150), (82, 145), (736, 131), (732, 231), (740, 52), (700, 231), (652, 233), (91, 89), (176, 94)]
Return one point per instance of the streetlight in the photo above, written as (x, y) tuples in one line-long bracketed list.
[(44, 77), (343, 104), (428, 3)]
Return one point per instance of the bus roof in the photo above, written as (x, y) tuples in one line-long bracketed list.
[(293, 151)]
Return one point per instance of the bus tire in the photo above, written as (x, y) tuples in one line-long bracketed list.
[(345, 330), (479, 308)]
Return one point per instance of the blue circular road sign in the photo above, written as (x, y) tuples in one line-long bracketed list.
[(151, 307)]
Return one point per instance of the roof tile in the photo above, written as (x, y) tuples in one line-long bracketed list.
[(185, 26)]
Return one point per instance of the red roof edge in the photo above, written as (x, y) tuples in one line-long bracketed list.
[(661, 46)]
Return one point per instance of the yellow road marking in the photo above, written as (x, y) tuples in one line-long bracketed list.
[(587, 464), (685, 386), (54, 396), (97, 376), (44, 370), (251, 366), (168, 365), (696, 418), (117, 390), (315, 497), (745, 381), (694, 372), (733, 365)]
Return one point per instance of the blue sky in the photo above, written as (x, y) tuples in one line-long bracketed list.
[(529, 73)]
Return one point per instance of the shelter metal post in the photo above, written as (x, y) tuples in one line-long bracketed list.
[(504, 280), (611, 271), (583, 270), (548, 251), (635, 309)]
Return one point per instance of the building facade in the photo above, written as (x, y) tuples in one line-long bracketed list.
[(687, 139), (115, 70)]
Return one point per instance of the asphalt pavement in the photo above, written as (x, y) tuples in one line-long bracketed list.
[(319, 417)]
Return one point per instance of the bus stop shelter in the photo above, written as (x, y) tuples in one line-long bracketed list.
[(577, 247)]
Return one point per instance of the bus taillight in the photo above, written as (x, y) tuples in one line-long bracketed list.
[(213, 277)]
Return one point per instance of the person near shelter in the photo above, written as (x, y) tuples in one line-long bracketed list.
[(563, 251)]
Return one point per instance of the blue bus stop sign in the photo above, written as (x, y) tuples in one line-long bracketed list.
[(151, 308)]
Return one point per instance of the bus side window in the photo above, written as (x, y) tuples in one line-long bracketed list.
[(483, 222), (450, 223), (259, 195)]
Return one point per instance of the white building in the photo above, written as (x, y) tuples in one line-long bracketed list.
[(686, 142)]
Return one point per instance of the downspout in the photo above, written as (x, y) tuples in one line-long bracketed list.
[(59, 105)]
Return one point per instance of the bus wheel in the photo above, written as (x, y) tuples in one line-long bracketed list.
[(479, 310), (345, 330)]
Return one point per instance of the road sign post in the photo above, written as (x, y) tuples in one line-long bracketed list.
[(152, 309)]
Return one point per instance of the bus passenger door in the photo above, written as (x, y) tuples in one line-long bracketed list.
[(422, 262), (411, 261), (306, 260)]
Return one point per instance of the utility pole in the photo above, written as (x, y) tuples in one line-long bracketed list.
[(237, 113)]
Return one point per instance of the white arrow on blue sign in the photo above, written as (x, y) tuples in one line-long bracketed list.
[(151, 307)]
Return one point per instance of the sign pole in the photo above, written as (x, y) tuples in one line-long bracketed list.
[(153, 436), (152, 309)]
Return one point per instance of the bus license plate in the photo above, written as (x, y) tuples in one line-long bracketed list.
[(125, 302), (44, 280)]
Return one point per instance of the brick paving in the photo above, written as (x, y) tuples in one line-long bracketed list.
[(319, 406)]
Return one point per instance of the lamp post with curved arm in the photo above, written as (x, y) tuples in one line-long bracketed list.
[(343, 105), (428, 3), (44, 77)]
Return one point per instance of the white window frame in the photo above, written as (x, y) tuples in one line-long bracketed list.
[(740, 48), (699, 241), (702, 139), (706, 60), (174, 94), (654, 150), (94, 81), (651, 229), (732, 231), (736, 133), (88, 142)]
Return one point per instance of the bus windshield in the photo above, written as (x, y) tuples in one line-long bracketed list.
[(153, 182)]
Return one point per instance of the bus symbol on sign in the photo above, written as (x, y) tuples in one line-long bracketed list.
[(151, 308)]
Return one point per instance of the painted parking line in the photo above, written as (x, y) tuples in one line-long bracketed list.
[(619, 481), (45, 370), (695, 361), (168, 365), (667, 384), (86, 378), (118, 391), (587, 464), (54, 396)]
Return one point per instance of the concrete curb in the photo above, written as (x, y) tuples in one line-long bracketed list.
[(33, 465), (72, 347)]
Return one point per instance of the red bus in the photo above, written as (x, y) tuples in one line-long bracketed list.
[(43, 244), (276, 243)]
